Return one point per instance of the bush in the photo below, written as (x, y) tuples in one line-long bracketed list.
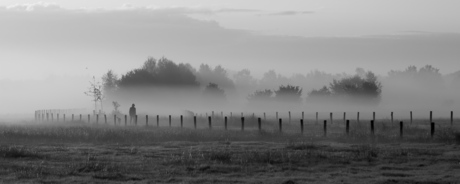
[(356, 89), (290, 94)]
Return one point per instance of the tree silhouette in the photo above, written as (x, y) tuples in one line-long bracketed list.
[(95, 91), (244, 82), (323, 92), (213, 95), (137, 78), (260, 97), (150, 65), (356, 89), (110, 82), (218, 76), (290, 94), (163, 72)]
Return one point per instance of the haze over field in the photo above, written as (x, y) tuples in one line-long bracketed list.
[(50, 52)]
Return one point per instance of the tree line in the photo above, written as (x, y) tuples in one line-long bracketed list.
[(216, 84)]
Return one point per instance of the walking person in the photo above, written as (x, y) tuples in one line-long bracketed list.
[(132, 113)]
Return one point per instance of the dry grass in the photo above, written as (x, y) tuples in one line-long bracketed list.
[(80, 153)]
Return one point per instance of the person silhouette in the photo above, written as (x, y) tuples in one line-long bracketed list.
[(132, 113)]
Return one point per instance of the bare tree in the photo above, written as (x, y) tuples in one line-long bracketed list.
[(95, 91)]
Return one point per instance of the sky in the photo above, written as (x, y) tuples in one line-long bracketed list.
[(52, 48), (64, 37)]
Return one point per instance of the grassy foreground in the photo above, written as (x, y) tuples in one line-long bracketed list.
[(80, 153)]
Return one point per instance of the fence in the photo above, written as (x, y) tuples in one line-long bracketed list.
[(212, 120)]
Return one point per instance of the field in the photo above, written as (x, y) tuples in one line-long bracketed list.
[(77, 152)]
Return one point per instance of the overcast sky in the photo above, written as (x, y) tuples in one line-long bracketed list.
[(87, 37)]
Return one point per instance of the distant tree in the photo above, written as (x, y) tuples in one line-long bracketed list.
[(169, 73), (137, 78), (213, 95), (110, 82), (261, 96), (218, 76), (213, 90), (427, 77), (290, 94), (116, 110), (244, 82), (360, 72), (358, 89), (163, 72), (95, 91), (150, 65), (323, 92), (269, 80)]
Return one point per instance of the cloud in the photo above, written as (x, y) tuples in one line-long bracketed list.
[(121, 39), (290, 13), (235, 10), (40, 6)]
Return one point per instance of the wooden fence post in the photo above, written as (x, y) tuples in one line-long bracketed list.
[(289, 117), (210, 123), (332, 121), (158, 120), (391, 118), (411, 117), (57, 117), (265, 117), (344, 117), (126, 120), (169, 120), (401, 126), (301, 126), (316, 118), (242, 123), (212, 115), (97, 118), (105, 118), (259, 121), (146, 120), (372, 127), (348, 127), (357, 118), (225, 122), (181, 121), (135, 120), (303, 115), (325, 128), (63, 118), (281, 125), (80, 117), (431, 116), (432, 129), (194, 121), (373, 116), (89, 118), (451, 118)]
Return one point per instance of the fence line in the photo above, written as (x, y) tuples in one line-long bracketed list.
[(48, 116)]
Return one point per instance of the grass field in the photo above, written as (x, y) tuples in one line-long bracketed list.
[(81, 153)]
